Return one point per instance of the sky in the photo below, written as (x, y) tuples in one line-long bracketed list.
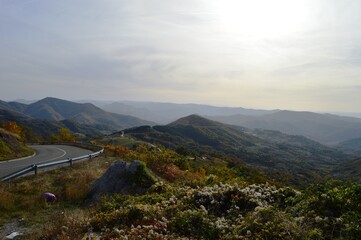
[(264, 54)]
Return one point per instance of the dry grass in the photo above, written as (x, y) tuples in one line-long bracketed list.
[(22, 198)]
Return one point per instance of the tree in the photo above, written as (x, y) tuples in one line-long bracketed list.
[(13, 127), (66, 135)]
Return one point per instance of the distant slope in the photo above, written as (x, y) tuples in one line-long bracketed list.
[(325, 128), (348, 170), (268, 150), (53, 109), (5, 106), (352, 146), (35, 128), (164, 113)]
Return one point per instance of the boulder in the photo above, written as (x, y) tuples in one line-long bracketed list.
[(123, 178)]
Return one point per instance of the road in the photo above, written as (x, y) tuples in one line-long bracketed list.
[(44, 153)]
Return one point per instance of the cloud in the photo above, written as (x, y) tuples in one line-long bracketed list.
[(179, 51)]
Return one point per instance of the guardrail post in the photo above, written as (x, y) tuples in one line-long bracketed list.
[(71, 162), (90, 156), (35, 169)]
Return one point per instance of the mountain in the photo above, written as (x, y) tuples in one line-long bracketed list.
[(53, 109), (272, 151), (5, 105), (164, 113), (328, 129), (352, 146), (34, 128), (324, 128)]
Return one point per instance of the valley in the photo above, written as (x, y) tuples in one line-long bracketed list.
[(277, 142), (205, 174)]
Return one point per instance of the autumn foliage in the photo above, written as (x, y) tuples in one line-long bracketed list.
[(13, 127)]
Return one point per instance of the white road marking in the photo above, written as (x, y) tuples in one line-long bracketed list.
[(64, 153)]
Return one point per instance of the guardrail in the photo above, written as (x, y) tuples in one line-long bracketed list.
[(36, 167)]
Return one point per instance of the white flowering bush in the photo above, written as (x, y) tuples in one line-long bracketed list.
[(221, 211)]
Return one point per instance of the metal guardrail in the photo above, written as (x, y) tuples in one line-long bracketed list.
[(35, 167)]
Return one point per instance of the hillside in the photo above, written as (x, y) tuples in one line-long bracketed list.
[(271, 151), (11, 146), (83, 113), (39, 129), (57, 110), (348, 170), (352, 146), (324, 128)]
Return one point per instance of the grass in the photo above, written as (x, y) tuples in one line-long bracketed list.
[(120, 141), (21, 198)]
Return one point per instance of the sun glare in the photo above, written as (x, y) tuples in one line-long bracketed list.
[(260, 18)]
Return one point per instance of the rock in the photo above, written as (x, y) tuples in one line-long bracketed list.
[(49, 197), (13, 235), (123, 178)]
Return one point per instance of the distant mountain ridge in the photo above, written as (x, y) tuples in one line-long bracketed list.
[(164, 113), (269, 150), (328, 129), (71, 113), (324, 128)]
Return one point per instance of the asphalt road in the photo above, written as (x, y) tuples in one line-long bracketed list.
[(44, 153)]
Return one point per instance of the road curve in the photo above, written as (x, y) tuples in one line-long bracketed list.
[(44, 153)]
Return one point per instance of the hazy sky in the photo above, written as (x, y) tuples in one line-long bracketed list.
[(302, 55)]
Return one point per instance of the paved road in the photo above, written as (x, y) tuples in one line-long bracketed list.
[(44, 153)]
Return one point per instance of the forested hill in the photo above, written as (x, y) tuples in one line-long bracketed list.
[(271, 151)]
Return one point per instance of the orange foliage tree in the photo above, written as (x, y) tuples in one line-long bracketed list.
[(13, 127)]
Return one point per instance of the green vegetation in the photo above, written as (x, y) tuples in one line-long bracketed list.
[(11, 142), (352, 146), (195, 198), (297, 158), (64, 136)]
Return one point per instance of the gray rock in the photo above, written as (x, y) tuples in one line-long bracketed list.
[(123, 178)]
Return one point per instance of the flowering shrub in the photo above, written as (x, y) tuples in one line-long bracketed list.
[(221, 211)]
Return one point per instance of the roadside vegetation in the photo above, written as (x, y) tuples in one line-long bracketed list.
[(196, 197), (12, 137), (13, 140)]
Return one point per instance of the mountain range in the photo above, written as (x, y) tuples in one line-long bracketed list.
[(287, 142), (272, 151), (328, 129), (163, 113), (53, 112), (105, 118)]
